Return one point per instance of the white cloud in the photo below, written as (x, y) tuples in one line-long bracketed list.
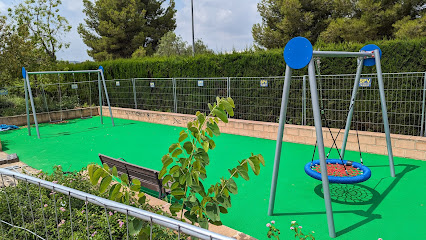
[(222, 24), (73, 5)]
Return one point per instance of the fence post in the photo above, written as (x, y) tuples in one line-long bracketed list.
[(304, 101), (423, 123), (228, 83), (174, 94), (134, 93)]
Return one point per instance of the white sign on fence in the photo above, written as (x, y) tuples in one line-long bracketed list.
[(200, 83), (117, 83), (152, 84), (74, 86)]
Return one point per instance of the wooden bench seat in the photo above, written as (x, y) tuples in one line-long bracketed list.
[(147, 177)]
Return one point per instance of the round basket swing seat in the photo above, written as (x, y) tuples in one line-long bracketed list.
[(356, 172)]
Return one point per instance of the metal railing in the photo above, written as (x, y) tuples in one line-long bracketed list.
[(258, 98), (32, 215)]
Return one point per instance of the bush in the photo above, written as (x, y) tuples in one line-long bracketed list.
[(34, 208)]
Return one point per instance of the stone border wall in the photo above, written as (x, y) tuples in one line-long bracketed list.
[(403, 146), (21, 120)]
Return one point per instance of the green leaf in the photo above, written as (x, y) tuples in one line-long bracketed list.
[(231, 101), (221, 114), (193, 129), (182, 137), (174, 185), (178, 193), (212, 211), (254, 164), (135, 188), (105, 184), (261, 159), (135, 226), (168, 162), (142, 198), (115, 189), (182, 179), (106, 167), (165, 157), (114, 171), (188, 179), (212, 144), (217, 223), (223, 210), (173, 147), (96, 175), (243, 173), (210, 106), (124, 178), (177, 152), (162, 172), (188, 147), (91, 169), (201, 118), (174, 169), (209, 131), (214, 128), (232, 186), (204, 223), (175, 207), (228, 108), (136, 181), (206, 146), (166, 179)]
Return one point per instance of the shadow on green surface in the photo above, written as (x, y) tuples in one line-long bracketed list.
[(77, 131), (342, 195)]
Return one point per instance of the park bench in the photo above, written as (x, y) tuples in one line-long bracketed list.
[(147, 177)]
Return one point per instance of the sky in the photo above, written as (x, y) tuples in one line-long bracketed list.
[(224, 25)]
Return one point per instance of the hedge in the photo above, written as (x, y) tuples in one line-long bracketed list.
[(398, 56)]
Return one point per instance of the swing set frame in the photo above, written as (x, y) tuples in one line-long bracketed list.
[(299, 53), (29, 95)]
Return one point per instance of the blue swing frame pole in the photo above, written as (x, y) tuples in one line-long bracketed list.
[(27, 109), (384, 111), (352, 106), (283, 113), (321, 151)]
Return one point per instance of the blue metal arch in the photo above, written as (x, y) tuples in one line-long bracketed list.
[(343, 180)]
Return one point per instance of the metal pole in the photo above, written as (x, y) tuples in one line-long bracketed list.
[(321, 152), (100, 97), (32, 104), (384, 111), (107, 98), (304, 101), (27, 108), (174, 94), (228, 82), (352, 106), (422, 122), (283, 113), (193, 38), (134, 93)]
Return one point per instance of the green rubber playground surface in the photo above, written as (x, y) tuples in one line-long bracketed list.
[(390, 208)]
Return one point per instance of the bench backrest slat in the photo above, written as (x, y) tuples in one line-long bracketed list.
[(147, 177)]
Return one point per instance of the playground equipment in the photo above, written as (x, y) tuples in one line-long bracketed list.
[(299, 53), (29, 94)]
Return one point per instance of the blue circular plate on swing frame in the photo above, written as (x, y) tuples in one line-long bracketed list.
[(24, 72), (371, 61), (298, 52)]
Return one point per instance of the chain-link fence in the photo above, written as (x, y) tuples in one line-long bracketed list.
[(257, 98)]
